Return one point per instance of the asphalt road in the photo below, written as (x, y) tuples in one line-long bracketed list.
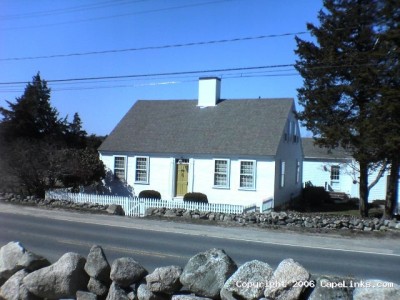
[(154, 243)]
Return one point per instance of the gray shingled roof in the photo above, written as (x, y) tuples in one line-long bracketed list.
[(232, 127), (314, 151)]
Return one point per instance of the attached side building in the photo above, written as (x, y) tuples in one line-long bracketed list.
[(234, 151), (337, 171)]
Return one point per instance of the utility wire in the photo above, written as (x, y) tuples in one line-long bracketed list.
[(136, 76), (66, 10), (121, 15), (156, 74), (240, 39)]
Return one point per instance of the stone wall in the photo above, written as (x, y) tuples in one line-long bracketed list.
[(53, 203), (282, 219), (208, 275), (266, 220)]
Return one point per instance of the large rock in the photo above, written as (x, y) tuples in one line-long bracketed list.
[(10, 255), (332, 287), (248, 282), (165, 280), (126, 271), (62, 279), (188, 297), (12, 289), (97, 287), (81, 295), (143, 293), (97, 265), (117, 293), (32, 261), (283, 279), (115, 209), (376, 290), (206, 272)]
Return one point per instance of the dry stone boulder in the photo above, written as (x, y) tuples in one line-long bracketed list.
[(164, 280), (32, 261), (10, 290), (126, 271), (376, 290), (10, 255), (97, 287), (188, 297), (97, 265), (206, 272), (283, 279), (25, 294), (324, 288), (59, 280), (116, 293), (81, 295), (115, 209), (143, 293), (248, 282)]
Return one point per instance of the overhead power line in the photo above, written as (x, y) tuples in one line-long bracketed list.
[(239, 39), (121, 15), (66, 10), (137, 76), (155, 74)]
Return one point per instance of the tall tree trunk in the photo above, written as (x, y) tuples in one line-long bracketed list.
[(392, 188), (363, 189)]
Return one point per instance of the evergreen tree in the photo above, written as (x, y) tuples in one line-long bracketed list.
[(387, 127), (41, 150), (76, 136), (342, 83), (32, 115)]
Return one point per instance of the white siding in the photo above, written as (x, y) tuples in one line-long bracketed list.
[(318, 172), (290, 152), (264, 185), (201, 179)]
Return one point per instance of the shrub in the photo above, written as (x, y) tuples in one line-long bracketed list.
[(195, 197), (315, 195), (150, 194)]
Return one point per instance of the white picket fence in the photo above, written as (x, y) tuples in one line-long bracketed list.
[(136, 207)]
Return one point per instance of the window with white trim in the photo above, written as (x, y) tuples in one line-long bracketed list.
[(335, 173), (247, 174), (297, 171), (221, 173), (283, 167), (287, 129), (295, 134), (120, 167), (142, 169)]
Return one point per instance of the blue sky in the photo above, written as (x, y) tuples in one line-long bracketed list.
[(53, 28)]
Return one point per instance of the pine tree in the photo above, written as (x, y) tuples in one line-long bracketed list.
[(76, 136), (32, 115), (41, 150), (342, 82), (387, 129)]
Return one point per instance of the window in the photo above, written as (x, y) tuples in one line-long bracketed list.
[(283, 166), (297, 171), (295, 134), (335, 173), (221, 173), (287, 131), (119, 167), (247, 174), (142, 170)]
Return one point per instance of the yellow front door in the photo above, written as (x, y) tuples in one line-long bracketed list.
[(181, 179)]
